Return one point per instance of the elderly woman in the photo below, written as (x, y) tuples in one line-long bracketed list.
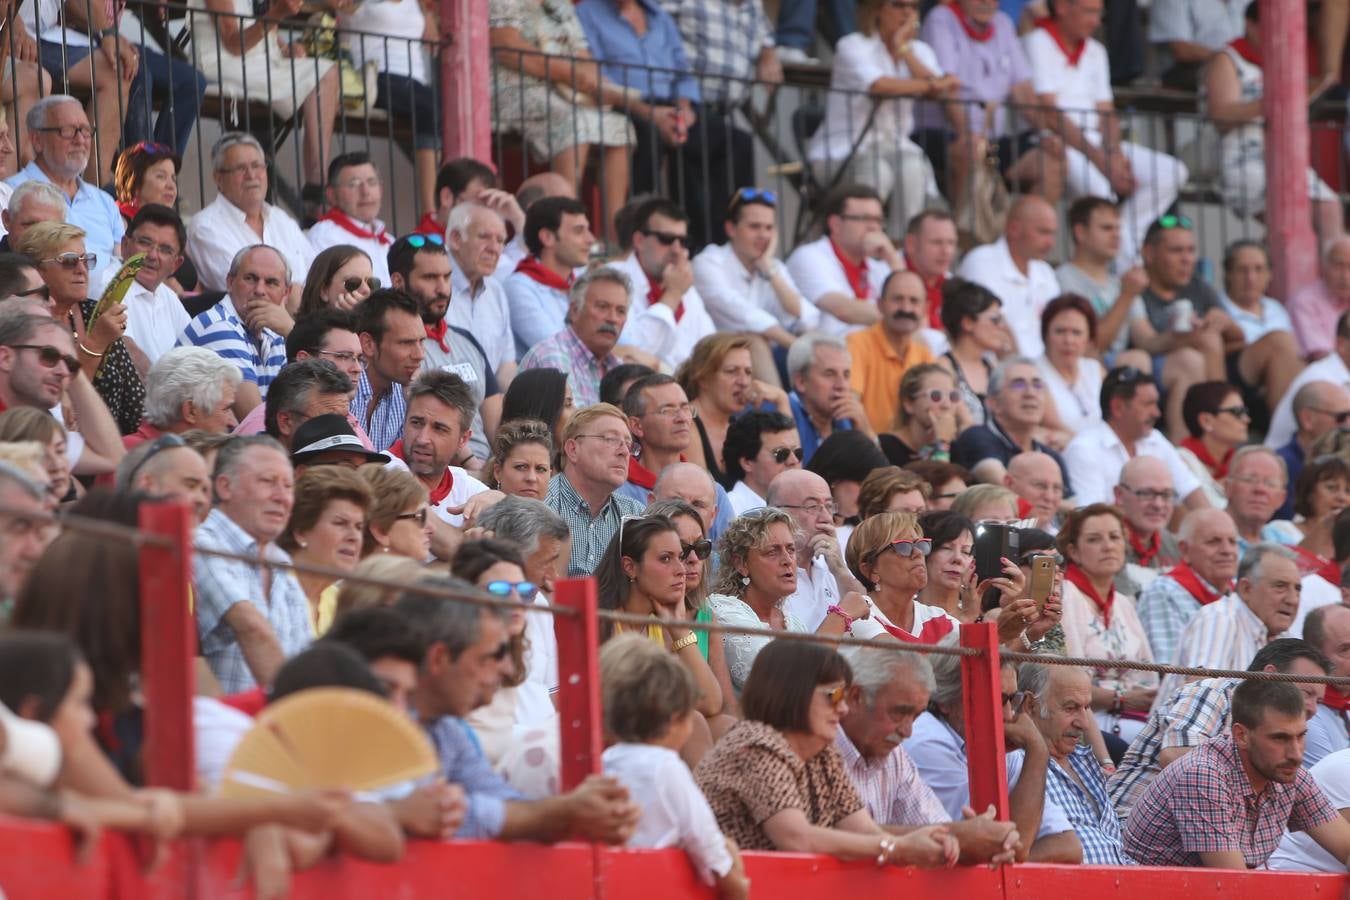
[(1100, 622), (146, 174), (522, 458), (340, 277), (326, 528), (888, 553), (1321, 491), (930, 416), (776, 781), (987, 503), (109, 358), (1217, 420), (398, 521), (1072, 375), (972, 316)]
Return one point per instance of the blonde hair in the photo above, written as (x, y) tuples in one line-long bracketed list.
[(643, 686), (385, 566), (513, 434), (977, 495), (42, 240), (745, 533), (880, 485), (874, 535), (706, 358), (27, 455), (582, 419), (393, 492)]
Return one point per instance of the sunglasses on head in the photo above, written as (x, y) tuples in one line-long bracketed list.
[(418, 241), (351, 285), (666, 238), (49, 356), (752, 195), (158, 445), (702, 549), (525, 590), (906, 548), (1169, 221), (780, 454), (151, 148)]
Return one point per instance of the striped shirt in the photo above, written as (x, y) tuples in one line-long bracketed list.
[(1164, 609), (220, 330), (1088, 807), (385, 423), (590, 535), (891, 788), (1223, 635)]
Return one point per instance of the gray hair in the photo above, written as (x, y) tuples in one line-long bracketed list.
[(43, 191), (231, 453), (802, 354), (232, 139), (11, 474), (523, 521), (460, 216), (1034, 678), (186, 374), (1254, 449), (876, 667), (238, 259), (947, 689), (15, 329), (999, 377), (1192, 520), (1253, 561), (37, 114), (577, 295), (454, 623)]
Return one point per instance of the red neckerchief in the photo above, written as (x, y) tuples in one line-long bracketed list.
[(1252, 55), (856, 275), (128, 209), (437, 333), (351, 226), (1023, 508), (1309, 563), (932, 285), (429, 225), (250, 702), (970, 28), (1144, 552), (642, 476), (1052, 28), (535, 270), (1218, 469), (441, 490), (932, 631), (1079, 579), (1334, 699), (655, 290), (1185, 576)]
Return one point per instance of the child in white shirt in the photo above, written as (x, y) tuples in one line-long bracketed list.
[(649, 699)]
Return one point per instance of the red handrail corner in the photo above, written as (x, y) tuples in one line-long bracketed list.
[(982, 695)]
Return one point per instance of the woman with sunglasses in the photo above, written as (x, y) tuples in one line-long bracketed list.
[(327, 523), (340, 277), (107, 356), (888, 554), (1217, 420), (932, 412), (397, 522), (972, 316)]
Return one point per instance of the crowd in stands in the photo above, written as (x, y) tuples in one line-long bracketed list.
[(719, 429)]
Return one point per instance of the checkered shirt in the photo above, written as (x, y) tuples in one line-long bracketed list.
[(891, 788), (1088, 807), (723, 40), (385, 427), (566, 353), (590, 536)]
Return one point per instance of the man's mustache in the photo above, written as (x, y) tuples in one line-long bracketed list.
[(608, 329), (901, 314)]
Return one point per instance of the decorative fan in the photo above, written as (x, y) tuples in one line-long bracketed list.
[(328, 738)]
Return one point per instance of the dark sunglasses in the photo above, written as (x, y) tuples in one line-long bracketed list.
[(666, 238), (1170, 221), (781, 454), (1126, 375), (702, 549), (752, 195), (418, 241), (1237, 412), (350, 285), (41, 290), (936, 395), (158, 445), (835, 695), (420, 517), (525, 590), (49, 356), (924, 546), (1016, 698)]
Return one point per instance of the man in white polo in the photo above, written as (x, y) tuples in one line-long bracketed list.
[(1014, 269), (354, 197)]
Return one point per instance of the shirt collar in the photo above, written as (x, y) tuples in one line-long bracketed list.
[(220, 522), (238, 214)]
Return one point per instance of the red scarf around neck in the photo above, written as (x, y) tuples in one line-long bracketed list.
[(1079, 579), (973, 31), (933, 630), (351, 226), (128, 209), (1144, 553), (655, 291), (1052, 28), (429, 225), (1185, 576), (1252, 55), (856, 274), (441, 490), (437, 333), (934, 288), (1218, 468), (531, 267), (1334, 699)]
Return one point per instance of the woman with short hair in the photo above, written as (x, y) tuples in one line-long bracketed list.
[(326, 528), (398, 520)]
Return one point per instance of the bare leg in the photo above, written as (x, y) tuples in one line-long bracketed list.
[(1328, 221), (615, 165), (318, 113), (1272, 362), (424, 162), (571, 164), (699, 743), (1182, 368), (959, 156), (1042, 172), (1138, 359)]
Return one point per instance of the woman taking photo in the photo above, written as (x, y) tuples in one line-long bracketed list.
[(973, 319), (522, 459), (1217, 419), (326, 527), (339, 278), (1072, 376), (930, 416)]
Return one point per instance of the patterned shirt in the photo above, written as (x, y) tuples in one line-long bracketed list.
[(1165, 607), (385, 423), (723, 40), (221, 583), (1088, 807), (219, 329), (590, 535), (1191, 716), (566, 353), (891, 789), (1204, 803), (1223, 635), (463, 763)]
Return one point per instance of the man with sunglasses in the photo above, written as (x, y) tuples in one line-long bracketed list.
[(883, 352), (759, 446), (155, 315), (1318, 407), (823, 579), (354, 194), (1334, 368)]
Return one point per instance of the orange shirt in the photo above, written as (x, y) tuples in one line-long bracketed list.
[(877, 371)]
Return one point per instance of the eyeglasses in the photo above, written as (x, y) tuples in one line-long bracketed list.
[(1024, 384), (1168, 222), (250, 168), (420, 517), (780, 454), (49, 356), (1341, 416), (702, 549), (813, 507), (525, 590), (749, 194), (352, 184), (859, 217), (145, 244), (158, 445), (418, 241), (1148, 496), (1237, 412), (907, 548), (346, 357), (71, 259), (41, 290), (835, 695), (1269, 484), (612, 441), (936, 395), (69, 132), (666, 238), (671, 411), (1015, 699), (350, 285)]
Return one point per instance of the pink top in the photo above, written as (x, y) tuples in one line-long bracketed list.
[(1085, 635), (1315, 310), (253, 424)]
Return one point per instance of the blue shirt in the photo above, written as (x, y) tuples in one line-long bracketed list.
[(92, 209), (220, 330), (1292, 454), (1088, 807), (385, 424), (463, 763), (538, 312), (633, 61), (806, 430)]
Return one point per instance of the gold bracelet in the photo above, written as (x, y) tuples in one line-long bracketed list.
[(690, 638), (81, 345)]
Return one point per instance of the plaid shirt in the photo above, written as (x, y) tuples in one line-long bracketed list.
[(1191, 716), (1089, 808), (1223, 635), (1204, 803), (590, 536), (1165, 608), (385, 426), (891, 789), (723, 40), (221, 583), (566, 353)]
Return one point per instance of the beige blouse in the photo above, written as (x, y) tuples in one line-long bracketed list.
[(1085, 634)]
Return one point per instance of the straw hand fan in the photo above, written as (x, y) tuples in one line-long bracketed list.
[(328, 738)]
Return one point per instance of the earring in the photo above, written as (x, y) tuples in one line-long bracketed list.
[(745, 581), (302, 545)]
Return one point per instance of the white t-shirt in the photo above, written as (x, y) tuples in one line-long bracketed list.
[(1077, 89), (1024, 297), (1297, 851), (1079, 404), (743, 499), (154, 319), (817, 590), (817, 271), (403, 22)]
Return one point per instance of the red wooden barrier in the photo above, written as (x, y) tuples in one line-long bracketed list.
[(578, 681), (982, 695), (466, 80)]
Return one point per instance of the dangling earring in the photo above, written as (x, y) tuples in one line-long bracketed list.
[(745, 581)]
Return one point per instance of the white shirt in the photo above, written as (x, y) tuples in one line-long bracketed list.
[(217, 729), (402, 20), (1024, 296), (872, 627), (1297, 851), (817, 590), (1077, 89), (1096, 455), (154, 319), (1282, 424), (1327, 734), (1078, 404), (218, 232), (743, 499), (541, 647), (485, 313), (652, 326), (1317, 591), (1272, 317), (462, 487), (742, 300), (325, 234), (817, 271), (674, 811)]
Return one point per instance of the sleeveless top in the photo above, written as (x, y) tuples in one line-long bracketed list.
[(974, 400)]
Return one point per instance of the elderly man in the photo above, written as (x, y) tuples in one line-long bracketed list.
[(822, 398), (23, 533), (241, 217), (170, 469), (597, 445), (32, 202), (1062, 699), (691, 483), (1226, 633), (1312, 407), (60, 138), (938, 747), (190, 388), (155, 315), (1015, 270), (1016, 408), (249, 619), (389, 324), (1318, 307), (584, 349), (758, 447), (250, 323), (823, 579), (304, 389), (1038, 482), (475, 236), (354, 196), (1145, 495), (888, 693), (1256, 487), (1209, 559), (883, 352), (559, 238), (1327, 629)]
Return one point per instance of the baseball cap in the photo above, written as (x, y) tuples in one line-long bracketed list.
[(326, 433)]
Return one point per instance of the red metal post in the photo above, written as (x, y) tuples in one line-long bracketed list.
[(578, 681), (168, 646), (1285, 104), (983, 699), (466, 80)]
